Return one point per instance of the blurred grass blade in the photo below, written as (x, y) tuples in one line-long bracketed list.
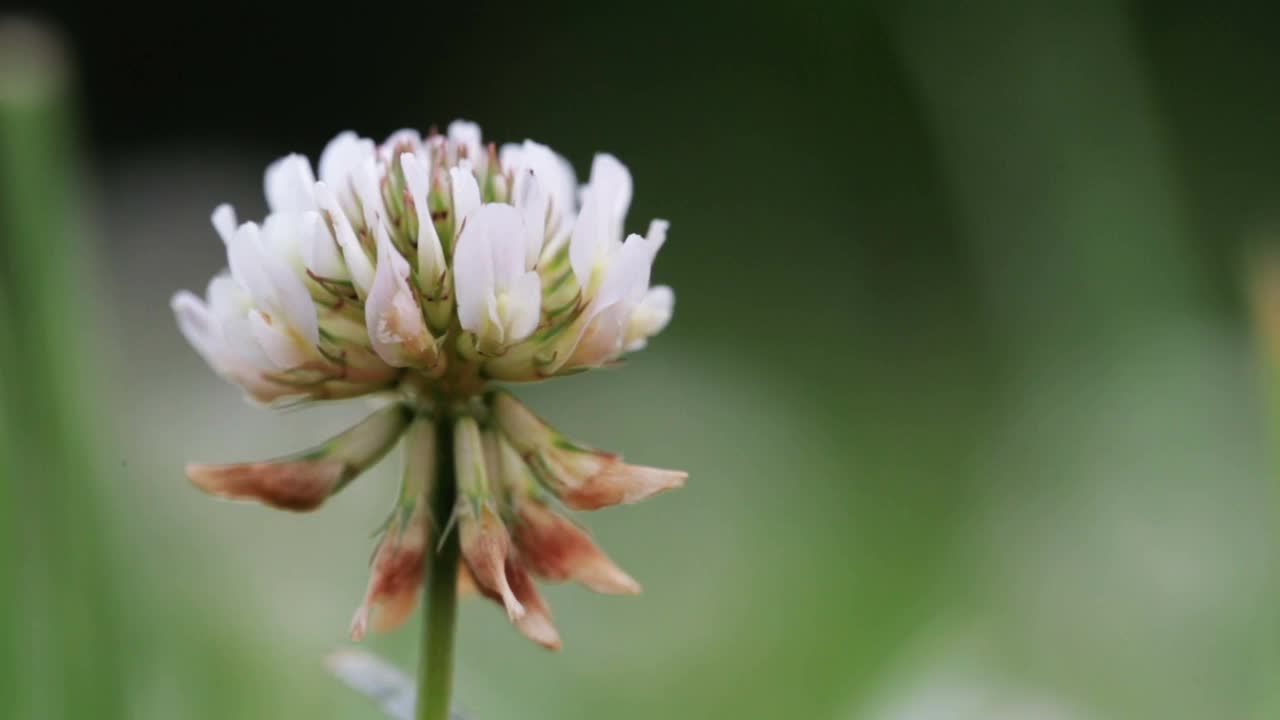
[(57, 643)]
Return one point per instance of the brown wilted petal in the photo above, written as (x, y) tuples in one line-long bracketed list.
[(602, 480), (536, 622), (485, 547), (297, 485), (394, 580), (555, 548)]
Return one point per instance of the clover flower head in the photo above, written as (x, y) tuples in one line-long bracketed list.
[(427, 269)]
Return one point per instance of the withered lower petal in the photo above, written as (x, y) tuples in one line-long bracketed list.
[(536, 624), (555, 548), (608, 482), (485, 547), (297, 485), (394, 580)]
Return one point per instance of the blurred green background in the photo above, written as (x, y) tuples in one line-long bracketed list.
[(961, 368)]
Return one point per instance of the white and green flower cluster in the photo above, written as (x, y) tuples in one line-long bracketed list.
[(438, 255)]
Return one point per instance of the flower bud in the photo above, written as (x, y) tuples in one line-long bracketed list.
[(303, 481), (581, 477)]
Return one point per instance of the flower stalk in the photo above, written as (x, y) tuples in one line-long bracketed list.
[(440, 584)]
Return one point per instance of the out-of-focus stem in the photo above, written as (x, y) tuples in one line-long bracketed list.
[(57, 622), (440, 592)]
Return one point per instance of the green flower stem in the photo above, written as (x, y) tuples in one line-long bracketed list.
[(440, 591)]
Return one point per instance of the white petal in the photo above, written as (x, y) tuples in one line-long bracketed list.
[(506, 240), (598, 230), (431, 262), (289, 183), (601, 338), (532, 201), (244, 256), (627, 277), (230, 304), (227, 298), (523, 306), (283, 234), (353, 253), (473, 276), (198, 325), (467, 135), (392, 316), (322, 256), (611, 182), (650, 316), (557, 179), (466, 194), (400, 141), (657, 235), (588, 245), (277, 342), (338, 162), (364, 179), (280, 257), (224, 221)]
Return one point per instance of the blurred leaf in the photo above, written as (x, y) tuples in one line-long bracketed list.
[(64, 621)]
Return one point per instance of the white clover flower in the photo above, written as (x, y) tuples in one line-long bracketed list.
[(427, 269), (422, 241)]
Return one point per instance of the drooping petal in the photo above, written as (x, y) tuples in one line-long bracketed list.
[(303, 481), (485, 547), (483, 537), (398, 563), (289, 185), (593, 485), (297, 485), (536, 623), (555, 548), (581, 477)]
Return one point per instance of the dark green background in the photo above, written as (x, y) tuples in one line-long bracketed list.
[(961, 365)]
